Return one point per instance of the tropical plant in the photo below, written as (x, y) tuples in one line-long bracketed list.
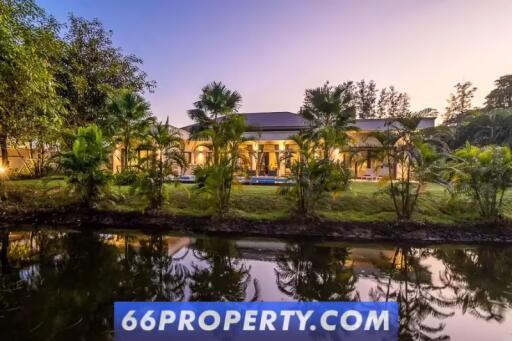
[(308, 272), (216, 179), (484, 174), (313, 178), (84, 164), (216, 103), (126, 178), (331, 114), (226, 277), (165, 159), (409, 282), (221, 129), (130, 120), (413, 158)]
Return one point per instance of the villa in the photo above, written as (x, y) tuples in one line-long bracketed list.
[(269, 140)]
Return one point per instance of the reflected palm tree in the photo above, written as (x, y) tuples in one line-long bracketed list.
[(224, 277), (480, 280), (312, 273), (409, 282), (156, 274)]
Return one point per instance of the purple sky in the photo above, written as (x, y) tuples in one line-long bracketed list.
[(271, 50)]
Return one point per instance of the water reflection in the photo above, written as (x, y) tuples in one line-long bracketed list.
[(60, 286), (308, 272)]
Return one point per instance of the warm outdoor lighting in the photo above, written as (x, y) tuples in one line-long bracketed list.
[(3, 170)]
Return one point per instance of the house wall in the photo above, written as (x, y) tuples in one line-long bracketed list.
[(267, 157)]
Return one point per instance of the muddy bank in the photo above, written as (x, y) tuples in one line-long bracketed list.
[(350, 231)]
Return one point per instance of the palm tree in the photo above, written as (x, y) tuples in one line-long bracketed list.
[(84, 163), (331, 113), (166, 158), (215, 102), (131, 118), (308, 272), (406, 280), (417, 153), (218, 123)]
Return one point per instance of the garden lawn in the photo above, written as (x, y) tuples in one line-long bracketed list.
[(363, 202)]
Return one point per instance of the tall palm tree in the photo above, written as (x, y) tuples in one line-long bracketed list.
[(131, 118), (216, 101), (331, 113)]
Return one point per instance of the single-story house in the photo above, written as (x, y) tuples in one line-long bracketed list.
[(269, 140)]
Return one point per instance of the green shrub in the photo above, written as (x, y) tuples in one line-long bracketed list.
[(126, 178)]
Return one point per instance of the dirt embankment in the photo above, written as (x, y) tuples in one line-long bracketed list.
[(72, 217)]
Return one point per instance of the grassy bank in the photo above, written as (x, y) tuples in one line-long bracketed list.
[(362, 203)]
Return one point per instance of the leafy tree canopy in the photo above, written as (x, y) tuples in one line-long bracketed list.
[(501, 95), (92, 69)]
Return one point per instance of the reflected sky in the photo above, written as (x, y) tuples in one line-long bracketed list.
[(61, 285)]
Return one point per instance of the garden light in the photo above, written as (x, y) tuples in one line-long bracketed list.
[(3, 170)]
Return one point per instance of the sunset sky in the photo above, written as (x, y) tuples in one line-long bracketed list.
[(270, 51)]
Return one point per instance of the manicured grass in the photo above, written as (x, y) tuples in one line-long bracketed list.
[(362, 202)]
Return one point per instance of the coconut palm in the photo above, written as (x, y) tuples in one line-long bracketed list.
[(130, 120)]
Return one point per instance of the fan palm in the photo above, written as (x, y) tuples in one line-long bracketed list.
[(215, 104), (331, 113)]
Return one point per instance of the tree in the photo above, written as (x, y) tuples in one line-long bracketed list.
[(413, 159), (225, 277), (459, 103), (92, 69), (222, 129), (331, 113), (217, 179), (501, 95), (28, 48), (215, 102), (165, 158), (408, 281), (365, 98), (308, 272), (392, 103), (83, 163), (312, 178), (484, 174), (484, 128), (129, 121)]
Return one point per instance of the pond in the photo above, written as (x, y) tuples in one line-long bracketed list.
[(60, 285)]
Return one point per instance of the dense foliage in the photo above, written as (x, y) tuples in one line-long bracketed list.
[(221, 129), (164, 160), (312, 178), (412, 161), (484, 174), (84, 164)]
